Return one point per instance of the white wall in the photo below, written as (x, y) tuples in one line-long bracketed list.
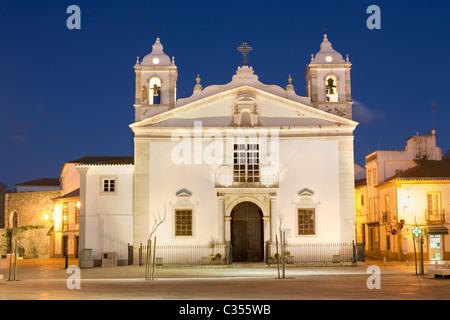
[(108, 225), (70, 178), (311, 163), (166, 178)]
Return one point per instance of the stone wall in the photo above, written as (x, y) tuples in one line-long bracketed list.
[(31, 208)]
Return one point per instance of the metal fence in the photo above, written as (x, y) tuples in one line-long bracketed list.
[(313, 253), (300, 253), (186, 254)]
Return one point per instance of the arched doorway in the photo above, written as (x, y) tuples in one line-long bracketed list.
[(247, 232)]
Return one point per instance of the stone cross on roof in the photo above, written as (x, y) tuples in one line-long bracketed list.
[(244, 49)]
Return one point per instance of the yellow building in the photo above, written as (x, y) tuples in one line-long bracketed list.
[(420, 197), (404, 190), (65, 230)]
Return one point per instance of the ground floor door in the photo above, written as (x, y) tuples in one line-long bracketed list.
[(75, 249), (373, 236), (65, 245), (435, 247), (247, 232)]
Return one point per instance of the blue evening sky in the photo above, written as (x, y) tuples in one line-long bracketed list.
[(65, 94)]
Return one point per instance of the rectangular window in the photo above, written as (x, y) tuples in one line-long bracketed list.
[(77, 212), (375, 177), (387, 203), (246, 163), (433, 202), (362, 199), (306, 221), (376, 210), (183, 222), (109, 185), (434, 210), (65, 216), (369, 178)]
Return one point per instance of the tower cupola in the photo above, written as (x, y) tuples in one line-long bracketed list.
[(156, 83)]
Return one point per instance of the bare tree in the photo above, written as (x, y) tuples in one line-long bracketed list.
[(282, 245), (158, 219), (280, 218)]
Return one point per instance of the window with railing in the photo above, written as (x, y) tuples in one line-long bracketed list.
[(77, 212), (434, 212), (65, 216), (387, 207), (376, 209)]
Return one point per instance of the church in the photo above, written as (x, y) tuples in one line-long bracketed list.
[(236, 163)]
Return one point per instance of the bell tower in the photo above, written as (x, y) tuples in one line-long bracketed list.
[(156, 83), (328, 81)]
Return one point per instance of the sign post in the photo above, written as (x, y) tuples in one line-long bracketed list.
[(393, 224), (416, 233), (421, 255)]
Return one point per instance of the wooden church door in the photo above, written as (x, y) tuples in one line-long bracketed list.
[(247, 232)]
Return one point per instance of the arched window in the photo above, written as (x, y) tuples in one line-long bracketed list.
[(246, 120), (15, 219), (331, 88), (306, 215), (155, 91)]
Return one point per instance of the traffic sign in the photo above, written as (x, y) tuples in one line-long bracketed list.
[(394, 232), (393, 222)]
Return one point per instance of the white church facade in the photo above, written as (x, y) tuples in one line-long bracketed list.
[(235, 163)]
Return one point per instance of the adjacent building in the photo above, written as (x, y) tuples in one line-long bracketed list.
[(26, 219), (403, 190)]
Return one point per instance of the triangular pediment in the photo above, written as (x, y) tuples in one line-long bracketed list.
[(230, 107)]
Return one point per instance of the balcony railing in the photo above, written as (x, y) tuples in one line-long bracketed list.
[(435, 216), (267, 178)]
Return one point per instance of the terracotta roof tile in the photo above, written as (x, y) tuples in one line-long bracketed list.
[(41, 182), (427, 169), (103, 160)]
